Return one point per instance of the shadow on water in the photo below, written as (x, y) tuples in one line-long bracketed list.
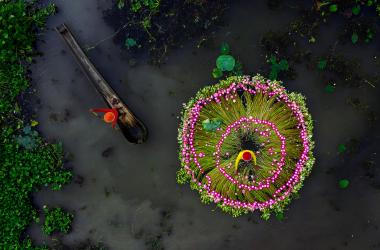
[(126, 195)]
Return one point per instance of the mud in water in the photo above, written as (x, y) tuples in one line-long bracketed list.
[(126, 197)]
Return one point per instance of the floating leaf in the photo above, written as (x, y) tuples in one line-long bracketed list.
[(322, 64), (343, 183), (369, 36), (238, 69), (27, 130), (217, 73), (283, 65), (329, 88), (120, 4), (280, 216), (130, 42), (33, 123), (333, 8), (354, 38), (341, 148), (225, 62), (273, 59), (26, 141), (277, 67), (211, 125), (225, 49), (273, 74), (356, 10)]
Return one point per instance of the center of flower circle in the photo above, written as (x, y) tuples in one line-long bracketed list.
[(247, 156), (250, 168)]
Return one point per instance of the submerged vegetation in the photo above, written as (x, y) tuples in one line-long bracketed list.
[(247, 116), (27, 162), (157, 26)]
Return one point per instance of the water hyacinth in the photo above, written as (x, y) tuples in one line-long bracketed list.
[(259, 155)]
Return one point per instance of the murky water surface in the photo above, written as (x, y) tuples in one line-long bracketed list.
[(129, 196)]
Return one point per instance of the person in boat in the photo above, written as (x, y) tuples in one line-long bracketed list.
[(111, 115)]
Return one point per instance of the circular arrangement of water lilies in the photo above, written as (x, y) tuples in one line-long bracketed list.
[(246, 144)]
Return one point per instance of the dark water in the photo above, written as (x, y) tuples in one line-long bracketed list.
[(130, 199)]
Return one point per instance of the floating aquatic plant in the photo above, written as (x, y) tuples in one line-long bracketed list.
[(330, 88), (344, 183), (28, 139), (333, 8), (322, 64), (354, 38), (224, 49), (369, 35), (130, 43), (226, 63), (56, 220), (257, 156), (277, 67), (356, 10), (342, 148)]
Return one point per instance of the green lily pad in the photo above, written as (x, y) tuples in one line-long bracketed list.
[(354, 38), (342, 148), (329, 88), (333, 8), (225, 62), (283, 65), (280, 216), (238, 69), (130, 42), (225, 49), (322, 64), (33, 123), (356, 10), (217, 73), (212, 125), (344, 183), (273, 74), (120, 4)]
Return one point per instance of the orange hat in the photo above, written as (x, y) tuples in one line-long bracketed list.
[(109, 117)]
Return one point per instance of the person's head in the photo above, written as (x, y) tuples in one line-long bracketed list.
[(109, 117)]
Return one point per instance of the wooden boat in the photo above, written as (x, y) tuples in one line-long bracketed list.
[(132, 128)]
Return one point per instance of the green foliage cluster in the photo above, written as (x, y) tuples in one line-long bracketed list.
[(138, 5), (355, 6), (148, 6), (26, 161), (16, 42), (226, 63), (56, 220), (28, 139), (277, 67)]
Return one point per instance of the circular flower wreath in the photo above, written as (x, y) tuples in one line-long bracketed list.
[(246, 144)]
